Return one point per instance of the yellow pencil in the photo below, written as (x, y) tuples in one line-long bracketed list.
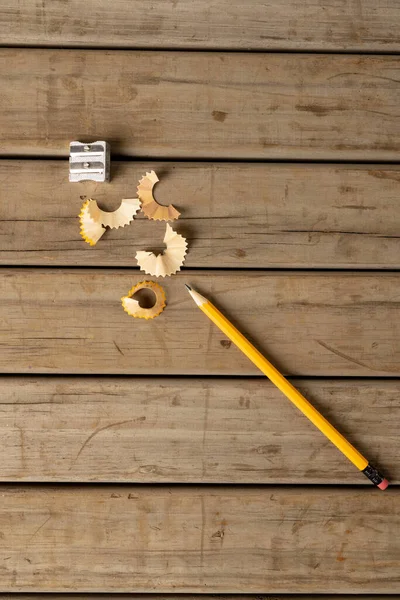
[(288, 390)]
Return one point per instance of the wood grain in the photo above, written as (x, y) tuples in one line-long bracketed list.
[(211, 539), (201, 105), (215, 431), (234, 215), (309, 25), (71, 321)]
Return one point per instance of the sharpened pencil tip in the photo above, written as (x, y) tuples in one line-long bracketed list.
[(188, 287)]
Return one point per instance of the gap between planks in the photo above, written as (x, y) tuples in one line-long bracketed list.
[(180, 596), (22, 46)]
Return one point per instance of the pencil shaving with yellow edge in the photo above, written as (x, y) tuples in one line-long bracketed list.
[(132, 306), (150, 207), (118, 218), (90, 230), (170, 261)]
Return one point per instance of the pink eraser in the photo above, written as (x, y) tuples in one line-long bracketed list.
[(383, 484)]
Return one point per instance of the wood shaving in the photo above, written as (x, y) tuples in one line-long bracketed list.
[(90, 230), (170, 261), (150, 206), (132, 306), (118, 218)]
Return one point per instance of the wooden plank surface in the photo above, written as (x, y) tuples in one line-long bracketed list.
[(234, 215), (71, 321), (215, 431), (201, 105), (210, 539), (256, 25)]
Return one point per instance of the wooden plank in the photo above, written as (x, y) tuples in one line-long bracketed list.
[(203, 105), (213, 24), (211, 539), (234, 215), (215, 431), (71, 321)]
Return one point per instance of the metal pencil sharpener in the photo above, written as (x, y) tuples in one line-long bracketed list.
[(89, 162)]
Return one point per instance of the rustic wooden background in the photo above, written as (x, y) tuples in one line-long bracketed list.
[(150, 457)]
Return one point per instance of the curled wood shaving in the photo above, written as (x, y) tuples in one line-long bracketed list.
[(132, 306), (118, 218), (170, 261), (90, 230), (150, 206)]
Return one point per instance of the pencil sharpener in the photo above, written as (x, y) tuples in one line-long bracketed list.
[(89, 162)]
